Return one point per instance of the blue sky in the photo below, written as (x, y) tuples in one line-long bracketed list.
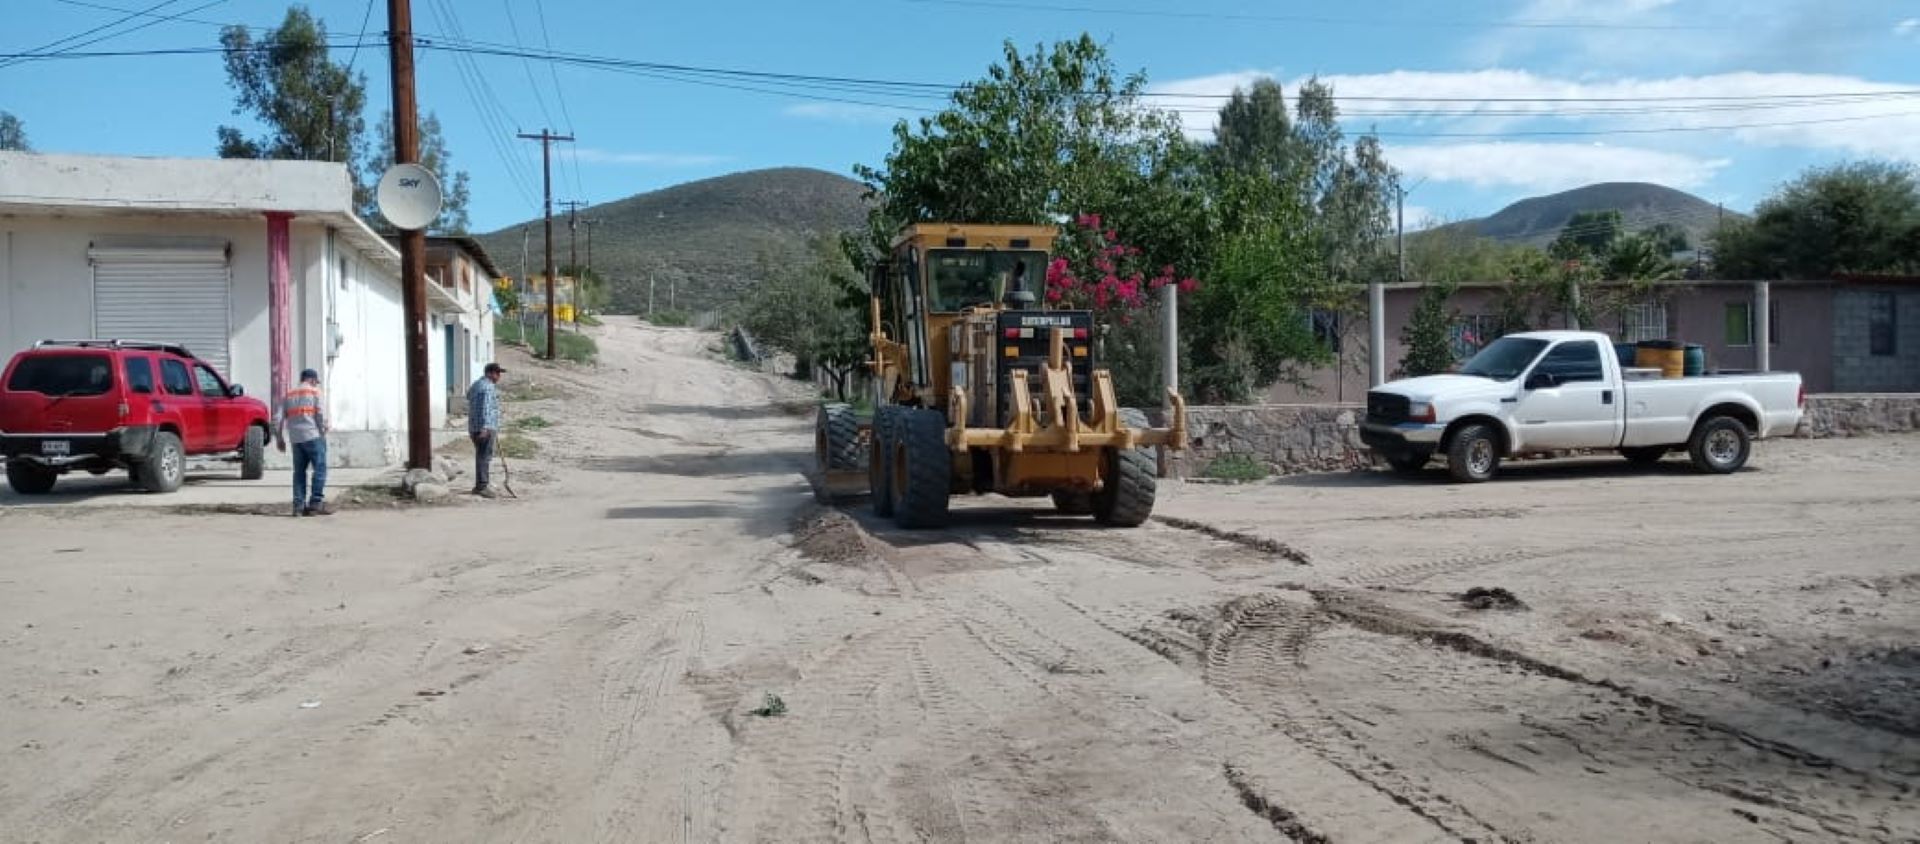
[(1603, 63)]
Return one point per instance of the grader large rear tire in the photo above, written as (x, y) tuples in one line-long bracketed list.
[(1126, 498), (922, 470), (836, 440)]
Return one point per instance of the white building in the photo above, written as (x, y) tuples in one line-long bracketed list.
[(460, 281), (207, 253)]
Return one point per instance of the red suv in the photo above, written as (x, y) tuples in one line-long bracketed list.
[(101, 405)]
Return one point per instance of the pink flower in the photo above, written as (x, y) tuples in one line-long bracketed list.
[(1167, 271), (1112, 234), (1055, 295), (1103, 265), (1088, 221), (1188, 285)]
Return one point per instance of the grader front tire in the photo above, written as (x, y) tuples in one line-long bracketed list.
[(922, 470), (1126, 498)]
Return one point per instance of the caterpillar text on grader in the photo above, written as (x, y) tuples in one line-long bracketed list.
[(978, 389)]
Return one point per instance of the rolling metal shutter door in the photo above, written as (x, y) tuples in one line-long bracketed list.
[(171, 295)]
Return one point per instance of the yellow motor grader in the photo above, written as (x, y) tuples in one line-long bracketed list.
[(977, 388)]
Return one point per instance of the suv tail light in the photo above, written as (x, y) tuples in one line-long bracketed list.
[(1803, 395)]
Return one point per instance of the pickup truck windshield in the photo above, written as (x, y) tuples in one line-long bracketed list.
[(1505, 358)]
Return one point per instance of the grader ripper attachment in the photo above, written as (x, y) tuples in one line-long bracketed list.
[(976, 389)]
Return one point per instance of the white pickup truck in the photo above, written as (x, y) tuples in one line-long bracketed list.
[(1549, 391)]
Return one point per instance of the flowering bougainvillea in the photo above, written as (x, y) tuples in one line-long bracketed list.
[(1094, 268)]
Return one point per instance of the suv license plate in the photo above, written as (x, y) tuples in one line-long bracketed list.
[(56, 448)]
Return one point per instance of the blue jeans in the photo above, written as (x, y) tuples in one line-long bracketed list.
[(310, 455)]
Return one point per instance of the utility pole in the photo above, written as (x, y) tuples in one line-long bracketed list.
[(413, 243), (650, 281), (573, 244), (589, 224), (546, 140)]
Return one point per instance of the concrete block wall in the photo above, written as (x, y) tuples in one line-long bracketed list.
[(1855, 368)]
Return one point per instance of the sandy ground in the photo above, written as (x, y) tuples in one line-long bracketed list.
[(666, 639)]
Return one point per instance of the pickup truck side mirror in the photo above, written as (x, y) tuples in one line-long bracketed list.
[(235, 391), (1542, 380)]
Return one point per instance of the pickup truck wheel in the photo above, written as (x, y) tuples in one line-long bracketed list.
[(1720, 445), (253, 454), (1474, 454), (166, 464), (1644, 455), (30, 479)]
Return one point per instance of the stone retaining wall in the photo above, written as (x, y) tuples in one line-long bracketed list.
[(1292, 438), (1860, 414)]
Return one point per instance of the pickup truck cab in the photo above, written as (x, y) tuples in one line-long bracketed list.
[(101, 405), (1549, 391)]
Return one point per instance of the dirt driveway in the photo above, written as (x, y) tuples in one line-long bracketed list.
[(665, 639)]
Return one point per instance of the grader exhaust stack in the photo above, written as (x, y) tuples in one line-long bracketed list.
[(977, 391)]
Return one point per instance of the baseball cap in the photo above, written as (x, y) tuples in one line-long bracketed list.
[(494, 367), (309, 375)]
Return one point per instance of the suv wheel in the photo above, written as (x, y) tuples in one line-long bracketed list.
[(166, 464), (30, 478), (253, 454)]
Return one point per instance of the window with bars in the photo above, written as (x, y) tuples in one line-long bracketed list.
[(1643, 322), (1472, 332), (1882, 325)]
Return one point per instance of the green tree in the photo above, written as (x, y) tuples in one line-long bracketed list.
[(434, 156), (309, 106), (1668, 237), (13, 133), (1428, 334), (800, 308), (1859, 217), (1588, 234), (1300, 215), (1044, 137), (1639, 257), (1251, 323)]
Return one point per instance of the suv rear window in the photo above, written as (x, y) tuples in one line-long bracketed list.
[(63, 375)]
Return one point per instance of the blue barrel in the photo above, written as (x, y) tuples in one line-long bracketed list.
[(1625, 352), (1696, 359)]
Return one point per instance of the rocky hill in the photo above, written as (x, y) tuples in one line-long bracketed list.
[(1538, 220), (700, 239)]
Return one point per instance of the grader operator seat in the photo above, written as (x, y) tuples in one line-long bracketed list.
[(1018, 296)]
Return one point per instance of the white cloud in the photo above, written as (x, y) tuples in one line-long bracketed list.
[(1907, 28), (845, 112), (1546, 167), (1874, 119), (649, 159)]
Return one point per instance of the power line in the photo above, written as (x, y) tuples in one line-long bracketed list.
[(525, 61), (52, 48), (1661, 130), (1325, 20), (492, 115), (365, 17), (559, 93)]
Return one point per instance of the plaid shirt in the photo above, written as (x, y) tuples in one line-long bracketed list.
[(483, 407)]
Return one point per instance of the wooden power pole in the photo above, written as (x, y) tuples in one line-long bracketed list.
[(413, 243), (546, 140)]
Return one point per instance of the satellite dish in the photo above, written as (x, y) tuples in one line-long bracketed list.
[(408, 196)]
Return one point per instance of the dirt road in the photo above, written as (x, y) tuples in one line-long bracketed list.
[(665, 639)]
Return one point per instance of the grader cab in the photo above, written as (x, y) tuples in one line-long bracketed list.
[(979, 389)]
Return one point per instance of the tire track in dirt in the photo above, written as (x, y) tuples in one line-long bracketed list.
[(1618, 734), (1256, 656)]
